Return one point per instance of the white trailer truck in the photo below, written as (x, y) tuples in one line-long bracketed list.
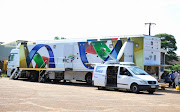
[(63, 60)]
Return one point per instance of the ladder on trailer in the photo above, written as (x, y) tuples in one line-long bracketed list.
[(15, 73)]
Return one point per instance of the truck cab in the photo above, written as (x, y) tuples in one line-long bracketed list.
[(122, 76), (13, 61)]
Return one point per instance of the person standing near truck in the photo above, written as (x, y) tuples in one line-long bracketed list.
[(172, 74), (166, 77), (176, 74)]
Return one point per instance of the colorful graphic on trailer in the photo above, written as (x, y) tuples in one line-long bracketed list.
[(26, 57), (95, 47), (42, 55)]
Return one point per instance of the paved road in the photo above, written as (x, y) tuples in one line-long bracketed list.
[(18, 95)]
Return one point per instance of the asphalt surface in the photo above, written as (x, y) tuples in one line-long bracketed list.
[(19, 95)]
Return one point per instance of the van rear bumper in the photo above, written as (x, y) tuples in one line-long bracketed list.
[(148, 87)]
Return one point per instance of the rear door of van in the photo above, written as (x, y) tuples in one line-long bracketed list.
[(100, 75)]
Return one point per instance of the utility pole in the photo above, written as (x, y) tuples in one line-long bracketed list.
[(150, 26)]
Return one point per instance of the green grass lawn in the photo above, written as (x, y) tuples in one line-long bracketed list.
[(3, 75)]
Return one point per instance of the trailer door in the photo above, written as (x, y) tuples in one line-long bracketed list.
[(129, 52), (68, 56)]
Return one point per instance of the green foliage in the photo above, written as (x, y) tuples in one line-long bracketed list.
[(176, 67), (168, 70), (168, 42), (63, 38), (56, 38), (3, 75)]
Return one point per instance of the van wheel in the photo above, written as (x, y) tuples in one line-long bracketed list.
[(151, 91), (135, 88), (89, 78)]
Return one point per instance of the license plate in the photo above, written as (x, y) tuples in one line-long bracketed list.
[(153, 86)]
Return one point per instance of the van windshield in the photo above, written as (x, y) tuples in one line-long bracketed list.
[(138, 71)]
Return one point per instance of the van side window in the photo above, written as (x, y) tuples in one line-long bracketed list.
[(124, 71)]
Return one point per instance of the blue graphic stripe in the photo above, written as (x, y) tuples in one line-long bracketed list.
[(82, 52), (34, 51), (115, 50)]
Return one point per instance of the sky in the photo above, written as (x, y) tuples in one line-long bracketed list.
[(46, 19)]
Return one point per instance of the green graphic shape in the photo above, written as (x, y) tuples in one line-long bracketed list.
[(98, 45), (39, 60)]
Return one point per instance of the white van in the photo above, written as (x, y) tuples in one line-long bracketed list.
[(127, 77)]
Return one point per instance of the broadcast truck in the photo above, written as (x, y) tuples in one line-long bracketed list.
[(64, 60)]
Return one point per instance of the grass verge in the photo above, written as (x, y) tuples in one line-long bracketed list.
[(3, 75)]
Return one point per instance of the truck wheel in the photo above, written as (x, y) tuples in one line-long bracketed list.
[(151, 91), (99, 87), (89, 78), (33, 76), (55, 81), (135, 88)]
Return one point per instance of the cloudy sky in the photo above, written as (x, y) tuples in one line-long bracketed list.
[(45, 19)]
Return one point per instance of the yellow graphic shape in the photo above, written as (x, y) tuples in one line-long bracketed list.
[(23, 54)]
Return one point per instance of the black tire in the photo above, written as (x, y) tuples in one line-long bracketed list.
[(89, 78), (135, 88), (99, 87), (55, 81), (151, 91), (33, 76), (16, 78)]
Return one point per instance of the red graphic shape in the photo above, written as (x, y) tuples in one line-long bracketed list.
[(90, 49), (46, 59)]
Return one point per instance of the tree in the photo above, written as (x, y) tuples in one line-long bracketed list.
[(176, 67), (56, 38), (168, 42)]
